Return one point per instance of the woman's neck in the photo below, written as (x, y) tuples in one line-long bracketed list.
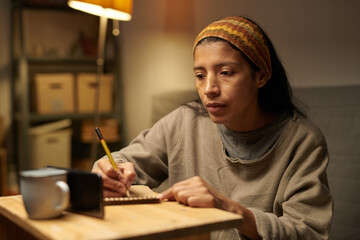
[(253, 121)]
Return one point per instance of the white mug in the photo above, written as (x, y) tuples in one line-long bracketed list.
[(45, 192)]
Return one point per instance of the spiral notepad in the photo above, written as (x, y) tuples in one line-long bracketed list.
[(138, 195), (131, 200)]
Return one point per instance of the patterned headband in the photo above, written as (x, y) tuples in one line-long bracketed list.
[(243, 34)]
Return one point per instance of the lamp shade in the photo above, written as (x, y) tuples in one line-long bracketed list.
[(114, 9)]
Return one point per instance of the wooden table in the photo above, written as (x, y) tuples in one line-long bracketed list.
[(164, 220)]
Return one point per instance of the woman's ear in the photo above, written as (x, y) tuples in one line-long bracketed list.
[(261, 79)]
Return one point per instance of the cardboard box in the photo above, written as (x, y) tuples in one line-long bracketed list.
[(51, 149), (50, 127), (109, 129), (50, 146), (54, 93), (86, 89)]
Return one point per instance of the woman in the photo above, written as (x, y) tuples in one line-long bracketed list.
[(252, 152)]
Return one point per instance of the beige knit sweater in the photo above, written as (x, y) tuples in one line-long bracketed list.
[(286, 189)]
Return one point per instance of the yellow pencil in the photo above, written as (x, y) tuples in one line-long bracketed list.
[(108, 153)]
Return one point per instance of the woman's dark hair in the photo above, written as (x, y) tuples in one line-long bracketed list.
[(276, 95)]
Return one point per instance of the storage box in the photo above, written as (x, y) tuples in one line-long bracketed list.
[(54, 93), (51, 149), (50, 146), (109, 129), (86, 89)]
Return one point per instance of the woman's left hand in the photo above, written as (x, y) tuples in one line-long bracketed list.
[(195, 192)]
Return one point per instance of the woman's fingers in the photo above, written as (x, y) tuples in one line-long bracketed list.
[(107, 192), (193, 192), (172, 192), (128, 173), (105, 167), (201, 201), (115, 182), (167, 195)]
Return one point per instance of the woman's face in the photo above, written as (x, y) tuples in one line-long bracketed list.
[(227, 85)]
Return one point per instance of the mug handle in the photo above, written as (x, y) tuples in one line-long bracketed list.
[(65, 195)]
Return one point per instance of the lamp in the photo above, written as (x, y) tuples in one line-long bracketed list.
[(114, 9), (118, 10)]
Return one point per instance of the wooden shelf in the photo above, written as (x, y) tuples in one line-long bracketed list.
[(26, 67)]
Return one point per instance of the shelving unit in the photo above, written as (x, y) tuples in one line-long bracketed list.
[(26, 66)]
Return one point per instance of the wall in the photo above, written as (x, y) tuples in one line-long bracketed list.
[(316, 40), (156, 56)]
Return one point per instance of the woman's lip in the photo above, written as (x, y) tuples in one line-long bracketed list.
[(215, 104), (213, 108)]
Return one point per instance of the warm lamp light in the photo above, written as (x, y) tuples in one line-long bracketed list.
[(114, 9)]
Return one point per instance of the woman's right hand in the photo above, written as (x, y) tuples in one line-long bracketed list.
[(115, 182)]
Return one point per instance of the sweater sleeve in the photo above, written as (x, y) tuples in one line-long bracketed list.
[(306, 208), (149, 150)]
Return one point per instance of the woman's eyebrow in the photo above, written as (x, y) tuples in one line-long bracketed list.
[(225, 64), (216, 65), (198, 68)]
